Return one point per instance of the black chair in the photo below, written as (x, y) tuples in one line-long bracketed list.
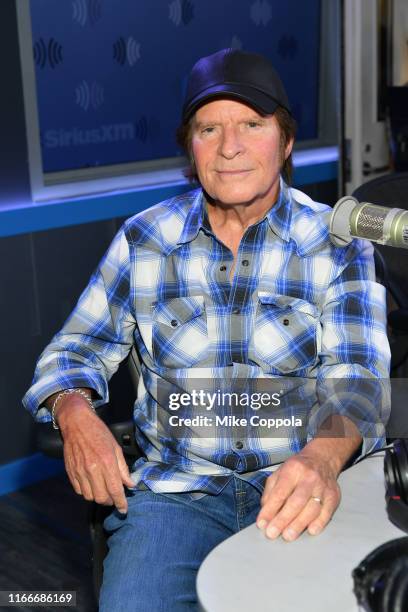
[(49, 442)]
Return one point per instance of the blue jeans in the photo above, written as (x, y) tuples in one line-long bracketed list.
[(156, 549)]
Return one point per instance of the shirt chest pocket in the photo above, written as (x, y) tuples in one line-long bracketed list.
[(179, 332), (285, 334)]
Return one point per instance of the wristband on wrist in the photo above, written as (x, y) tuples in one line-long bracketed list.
[(68, 392)]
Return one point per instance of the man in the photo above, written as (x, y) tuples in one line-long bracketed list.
[(236, 280)]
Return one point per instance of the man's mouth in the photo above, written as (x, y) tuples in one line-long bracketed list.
[(232, 172)]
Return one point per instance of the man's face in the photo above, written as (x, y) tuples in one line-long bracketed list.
[(237, 153)]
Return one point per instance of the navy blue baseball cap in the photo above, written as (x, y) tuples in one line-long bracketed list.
[(232, 73)]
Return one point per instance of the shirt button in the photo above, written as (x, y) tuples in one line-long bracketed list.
[(286, 321), (236, 311), (173, 323), (223, 268), (239, 444), (245, 262)]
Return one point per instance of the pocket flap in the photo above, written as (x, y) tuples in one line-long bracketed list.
[(178, 311), (286, 301)]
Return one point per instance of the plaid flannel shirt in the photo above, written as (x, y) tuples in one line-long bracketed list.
[(297, 308)]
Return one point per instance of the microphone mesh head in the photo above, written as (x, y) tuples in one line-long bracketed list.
[(370, 222)]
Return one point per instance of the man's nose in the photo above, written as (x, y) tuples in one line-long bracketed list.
[(231, 142)]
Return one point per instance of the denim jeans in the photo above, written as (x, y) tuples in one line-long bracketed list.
[(156, 550)]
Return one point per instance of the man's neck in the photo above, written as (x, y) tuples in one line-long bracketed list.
[(238, 217)]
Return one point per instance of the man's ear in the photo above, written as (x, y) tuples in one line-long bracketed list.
[(289, 147)]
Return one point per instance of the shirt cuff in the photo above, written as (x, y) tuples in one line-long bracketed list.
[(46, 386)]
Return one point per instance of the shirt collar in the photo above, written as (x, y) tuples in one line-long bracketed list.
[(194, 219), (279, 216)]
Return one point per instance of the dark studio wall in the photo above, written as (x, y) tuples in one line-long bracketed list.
[(14, 180)]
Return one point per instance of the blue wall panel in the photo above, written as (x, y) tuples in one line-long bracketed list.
[(111, 73)]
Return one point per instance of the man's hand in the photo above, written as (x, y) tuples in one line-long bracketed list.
[(303, 492), (94, 460), (288, 507)]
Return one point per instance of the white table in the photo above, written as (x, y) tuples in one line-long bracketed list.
[(248, 572)]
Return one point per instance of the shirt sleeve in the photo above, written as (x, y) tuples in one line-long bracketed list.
[(353, 377), (94, 340)]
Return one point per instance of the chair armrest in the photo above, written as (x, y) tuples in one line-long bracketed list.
[(49, 440), (124, 433)]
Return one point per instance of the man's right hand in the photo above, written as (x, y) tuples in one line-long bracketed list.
[(94, 460)]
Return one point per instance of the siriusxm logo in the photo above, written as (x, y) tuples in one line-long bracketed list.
[(126, 51), (86, 10), (181, 11), (116, 132), (89, 96), (261, 12), (236, 43)]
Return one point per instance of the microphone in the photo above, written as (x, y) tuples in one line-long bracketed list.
[(353, 219)]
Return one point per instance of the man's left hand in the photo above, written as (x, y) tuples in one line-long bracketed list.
[(301, 494)]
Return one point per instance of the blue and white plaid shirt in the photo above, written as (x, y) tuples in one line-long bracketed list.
[(297, 307)]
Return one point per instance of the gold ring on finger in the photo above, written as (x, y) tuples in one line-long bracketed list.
[(317, 499)]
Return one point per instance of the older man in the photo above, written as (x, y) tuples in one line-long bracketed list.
[(236, 280)]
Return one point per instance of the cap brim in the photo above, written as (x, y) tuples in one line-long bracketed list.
[(263, 103)]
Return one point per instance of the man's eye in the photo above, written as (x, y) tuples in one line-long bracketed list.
[(207, 130), (253, 124)]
